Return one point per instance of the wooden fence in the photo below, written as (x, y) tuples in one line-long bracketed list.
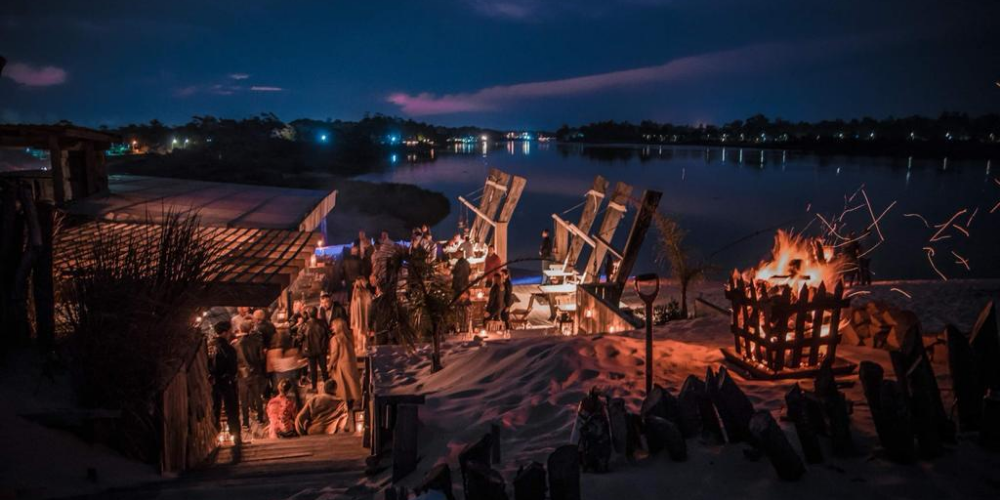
[(188, 432)]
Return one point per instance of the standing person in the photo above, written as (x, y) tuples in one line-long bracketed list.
[(326, 308), (460, 274), (222, 370), (315, 345), (281, 412), (545, 253), (344, 364), (430, 246), (252, 369), (242, 315), (361, 304), (493, 262), (508, 297), (263, 325), (352, 270), (494, 306), (364, 245), (466, 247)]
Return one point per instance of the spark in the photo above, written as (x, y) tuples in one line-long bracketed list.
[(994, 209), (849, 210), (962, 229), (858, 292), (833, 231), (968, 223), (961, 260), (848, 242), (855, 194), (866, 252), (947, 224), (921, 217), (902, 292), (930, 255), (872, 212), (875, 221)]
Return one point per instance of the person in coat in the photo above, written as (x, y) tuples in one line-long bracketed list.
[(494, 306), (493, 262), (508, 297), (460, 274), (315, 345), (323, 414), (252, 370), (223, 367), (343, 367), (361, 304), (545, 253)]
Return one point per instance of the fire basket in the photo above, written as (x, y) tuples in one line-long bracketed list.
[(785, 322)]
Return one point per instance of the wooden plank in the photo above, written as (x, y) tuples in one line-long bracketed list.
[(517, 184), (612, 218), (489, 204), (640, 226), (479, 215), (577, 232), (590, 207)]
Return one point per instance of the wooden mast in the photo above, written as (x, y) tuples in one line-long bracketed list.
[(591, 205), (612, 218)]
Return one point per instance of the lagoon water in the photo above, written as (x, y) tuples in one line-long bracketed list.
[(730, 199)]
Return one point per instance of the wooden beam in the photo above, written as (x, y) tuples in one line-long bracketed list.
[(476, 211), (612, 218), (590, 207), (513, 197), (575, 230), (607, 246), (489, 204), (640, 226)]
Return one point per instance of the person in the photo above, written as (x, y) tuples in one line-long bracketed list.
[(508, 297), (242, 314), (545, 253), (222, 370), (284, 363), (315, 345), (361, 303), (460, 273), (430, 246), (263, 325), (352, 270), (494, 306), (326, 308), (384, 267), (344, 364), (467, 247), (364, 245), (323, 414), (252, 370), (281, 412), (493, 262)]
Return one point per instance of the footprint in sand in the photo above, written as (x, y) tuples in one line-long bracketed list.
[(468, 393)]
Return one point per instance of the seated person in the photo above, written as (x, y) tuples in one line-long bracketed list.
[(323, 414), (281, 410)]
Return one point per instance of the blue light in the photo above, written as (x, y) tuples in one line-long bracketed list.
[(394, 158), (323, 138)]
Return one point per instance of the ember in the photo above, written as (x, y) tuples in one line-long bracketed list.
[(784, 321)]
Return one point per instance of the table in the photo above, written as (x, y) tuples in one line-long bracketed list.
[(552, 292)]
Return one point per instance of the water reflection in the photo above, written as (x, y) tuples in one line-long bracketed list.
[(718, 201)]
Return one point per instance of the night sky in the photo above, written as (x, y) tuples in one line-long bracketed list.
[(510, 63)]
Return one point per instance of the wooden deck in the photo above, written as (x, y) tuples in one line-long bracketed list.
[(305, 468)]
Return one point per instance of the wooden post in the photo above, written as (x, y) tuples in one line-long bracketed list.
[(60, 178), (590, 207), (42, 279), (404, 441), (650, 202), (493, 193), (612, 218)]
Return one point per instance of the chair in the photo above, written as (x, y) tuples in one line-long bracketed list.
[(519, 317)]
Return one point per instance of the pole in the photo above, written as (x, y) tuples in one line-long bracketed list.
[(648, 297), (649, 346)]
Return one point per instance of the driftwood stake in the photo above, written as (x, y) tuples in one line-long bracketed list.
[(769, 437)]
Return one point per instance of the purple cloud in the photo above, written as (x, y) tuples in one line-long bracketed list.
[(33, 76), (744, 59)]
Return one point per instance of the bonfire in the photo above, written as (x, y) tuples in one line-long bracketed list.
[(785, 319)]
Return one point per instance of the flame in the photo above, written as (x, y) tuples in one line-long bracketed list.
[(797, 261)]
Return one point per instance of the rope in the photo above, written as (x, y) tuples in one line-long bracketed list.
[(574, 207), (769, 229)]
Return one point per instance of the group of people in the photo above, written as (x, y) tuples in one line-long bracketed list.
[(257, 370)]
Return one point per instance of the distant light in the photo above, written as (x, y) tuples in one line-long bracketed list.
[(323, 138), (185, 141), (174, 141), (393, 158), (484, 137)]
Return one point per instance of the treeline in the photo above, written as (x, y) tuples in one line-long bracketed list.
[(957, 133)]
